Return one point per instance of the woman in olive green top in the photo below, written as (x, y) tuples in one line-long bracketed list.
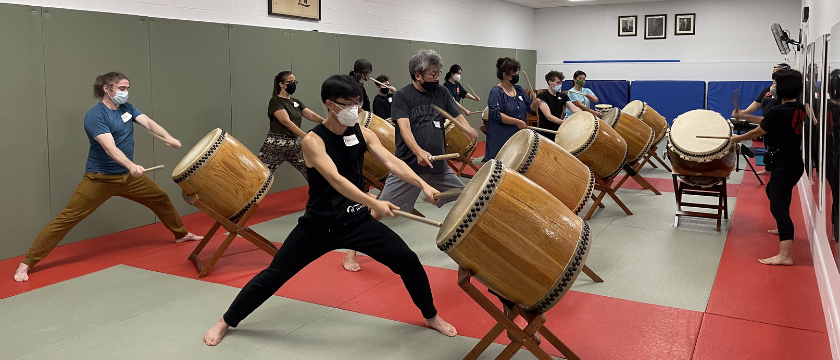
[(284, 114)]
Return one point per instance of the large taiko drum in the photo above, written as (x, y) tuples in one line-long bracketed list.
[(456, 140), (642, 111), (516, 238), (225, 175), (637, 134), (385, 132), (594, 143), (710, 157), (547, 164)]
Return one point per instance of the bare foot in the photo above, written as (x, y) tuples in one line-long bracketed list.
[(350, 263), (442, 326), (189, 237), (214, 336), (777, 260), (22, 273), (774, 231)]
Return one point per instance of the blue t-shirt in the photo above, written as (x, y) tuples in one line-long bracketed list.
[(120, 124), (578, 97)]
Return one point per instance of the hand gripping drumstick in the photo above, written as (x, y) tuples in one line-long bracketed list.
[(576, 92), (153, 168), (541, 129), (736, 95), (448, 193), (450, 118), (161, 139), (473, 91), (416, 218), (444, 157)]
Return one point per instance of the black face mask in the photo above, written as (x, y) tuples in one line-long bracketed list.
[(430, 86), (385, 91), (514, 79), (290, 88)]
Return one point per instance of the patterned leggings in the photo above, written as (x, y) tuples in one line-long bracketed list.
[(280, 148)]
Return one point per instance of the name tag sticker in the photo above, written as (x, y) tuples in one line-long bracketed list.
[(350, 140), (520, 98), (295, 104), (437, 124), (390, 99), (125, 117)]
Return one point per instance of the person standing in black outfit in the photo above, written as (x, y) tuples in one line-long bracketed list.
[(554, 103), (337, 213), (782, 131), (382, 101), (361, 73), (765, 100)]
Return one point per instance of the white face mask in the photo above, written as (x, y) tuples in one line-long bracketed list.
[(456, 77), (348, 116), (120, 97)]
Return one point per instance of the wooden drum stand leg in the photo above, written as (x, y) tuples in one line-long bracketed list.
[(465, 160), (639, 179), (238, 228), (652, 154), (605, 189), (519, 337)]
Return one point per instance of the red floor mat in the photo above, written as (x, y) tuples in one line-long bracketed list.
[(667, 185), (727, 338)]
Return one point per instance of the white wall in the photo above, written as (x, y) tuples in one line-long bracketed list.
[(732, 42), (466, 22), (823, 15)]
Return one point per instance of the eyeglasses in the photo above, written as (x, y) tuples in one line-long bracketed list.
[(291, 83), (434, 74)]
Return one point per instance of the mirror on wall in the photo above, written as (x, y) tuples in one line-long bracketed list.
[(807, 154), (817, 124), (832, 139)]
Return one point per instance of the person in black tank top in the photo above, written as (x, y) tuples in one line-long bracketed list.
[(337, 214)]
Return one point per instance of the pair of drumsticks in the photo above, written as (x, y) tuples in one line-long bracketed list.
[(447, 193), (468, 85)]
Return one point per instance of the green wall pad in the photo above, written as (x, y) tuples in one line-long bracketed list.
[(314, 60), (352, 48), (393, 60)]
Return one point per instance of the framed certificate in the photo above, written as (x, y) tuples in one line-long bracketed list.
[(309, 9)]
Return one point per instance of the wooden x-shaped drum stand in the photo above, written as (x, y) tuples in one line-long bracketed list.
[(238, 228), (638, 177), (652, 154), (504, 321), (719, 191), (604, 187), (465, 160)]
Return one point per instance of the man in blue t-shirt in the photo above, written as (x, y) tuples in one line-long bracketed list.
[(110, 170), (581, 97)]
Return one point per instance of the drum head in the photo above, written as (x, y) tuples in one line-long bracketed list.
[(362, 118), (576, 131), (196, 152), (611, 116), (687, 126), (634, 108), (603, 107), (465, 202), (485, 114), (515, 151)]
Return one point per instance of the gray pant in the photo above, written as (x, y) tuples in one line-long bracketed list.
[(404, 195)]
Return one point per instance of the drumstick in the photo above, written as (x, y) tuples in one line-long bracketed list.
[(576, 92), (532, 90), (416, 218), (450, 118), (472, 91), (153, 168), (713, 137), (541, 129), (444, 157), (380, 84), (161, 139), (448, 193), (736, 95)]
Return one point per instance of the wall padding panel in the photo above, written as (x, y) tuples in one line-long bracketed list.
[(393, 60), (24, 151), (256, 55), (420, 45), (353, 48), (480, 73), (314, 59), (192, 90), (451, 54), (511, 53), (528, 61), (75, 54)]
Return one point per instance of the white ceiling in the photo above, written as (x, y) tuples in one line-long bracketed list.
[(537, 4)]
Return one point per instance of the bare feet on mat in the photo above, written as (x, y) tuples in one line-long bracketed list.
[(442, 326), (22, 273), (214, 336), (777, 260), (350, 263), (774, 231), (189, 237)]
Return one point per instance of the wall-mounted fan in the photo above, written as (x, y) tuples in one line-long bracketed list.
[(783, 39)]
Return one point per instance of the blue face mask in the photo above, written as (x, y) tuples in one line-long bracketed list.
[(557, 88), (120, 97)]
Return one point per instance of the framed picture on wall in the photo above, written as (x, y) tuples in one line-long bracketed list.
[(308, 9), (627, 25), (684, 24), (655, 26)]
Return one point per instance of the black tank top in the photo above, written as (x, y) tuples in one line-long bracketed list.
[(347, 151)]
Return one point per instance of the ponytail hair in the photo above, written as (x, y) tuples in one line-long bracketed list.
[(108, 79), (281, 77), (452, 70), (362, 66)]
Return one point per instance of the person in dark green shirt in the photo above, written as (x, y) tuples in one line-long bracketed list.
[(284, 117)]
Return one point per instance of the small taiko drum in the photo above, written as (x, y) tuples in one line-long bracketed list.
[(385, 132), (637, 134), (603, 108), (225, 175), (594, 143), (456, 140), (547, 164), (642, 111), (516, 238), (709, 157), (485, 115)]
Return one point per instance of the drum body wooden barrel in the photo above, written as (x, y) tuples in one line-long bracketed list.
[(386, 134), (515, 237), (594, 143), (709, 157), (642, 111), (225, 175), (637, 134), (547, 164), (456, 140)]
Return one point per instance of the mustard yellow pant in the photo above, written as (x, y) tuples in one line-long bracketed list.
[(92, 192)]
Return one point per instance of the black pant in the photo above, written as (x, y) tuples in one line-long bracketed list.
[(310, 240), (779, 191)]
